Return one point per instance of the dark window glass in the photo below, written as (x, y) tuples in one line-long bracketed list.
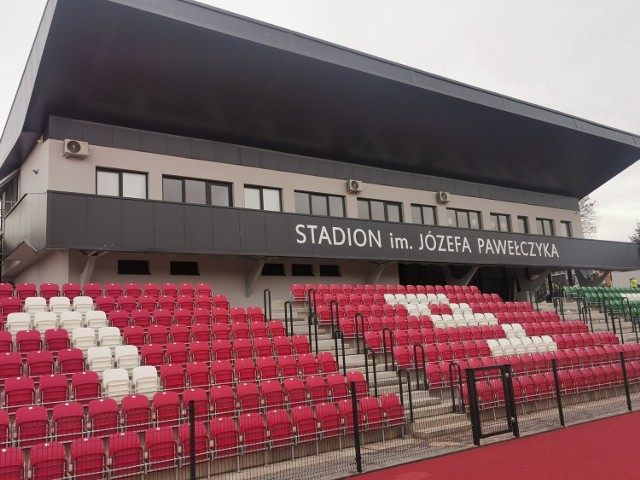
[(545, 226), (463, 218), (195, 191), (201, 192), (319, 205), (336, 206), (273, 270), (133, 267), (329, 270), (302, 203), (523, 224), (183, 268), (220, 194), (302, 270), (172, 189), (500, 222), (379, 210), (565, 229)]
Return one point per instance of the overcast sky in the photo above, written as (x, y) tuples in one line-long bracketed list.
[(576, 56)]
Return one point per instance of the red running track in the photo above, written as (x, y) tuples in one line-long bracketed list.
[(603, 450)]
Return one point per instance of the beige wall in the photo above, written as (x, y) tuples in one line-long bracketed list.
[(53, 267), (80, 176), (226, 275)]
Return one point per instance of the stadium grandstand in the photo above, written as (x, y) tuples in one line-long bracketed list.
[(229, 249)]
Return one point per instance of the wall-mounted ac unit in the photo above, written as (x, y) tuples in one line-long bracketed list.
[(75, 148), (354, 186), (443, 197)]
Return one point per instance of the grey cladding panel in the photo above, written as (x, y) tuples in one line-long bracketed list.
[(137, 225), (104, 222), (226, 230), (129, 139), (72, 225), (198, 229), (154, 143), (178, 146), (169, 232), (97, 134), (253, 231)]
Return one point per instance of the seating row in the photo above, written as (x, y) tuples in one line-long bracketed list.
[(95, 290), (299, 292), (223, 437)]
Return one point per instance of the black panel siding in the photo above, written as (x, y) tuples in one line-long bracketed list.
[(153, 226)]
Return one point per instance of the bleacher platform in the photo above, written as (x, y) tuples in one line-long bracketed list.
[(101, 377)]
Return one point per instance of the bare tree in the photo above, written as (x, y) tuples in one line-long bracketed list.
[(588, 217), (635, 237)]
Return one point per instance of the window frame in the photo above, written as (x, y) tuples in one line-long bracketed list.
[(422, 209), (207, 185), (495, 217), (385, 206), (565, 229), (541, 231), (120, 174), (326, 197), (523, 220), (463, 211), (261, 189)]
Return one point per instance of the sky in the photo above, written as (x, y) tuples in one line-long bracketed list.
[(576, 56)]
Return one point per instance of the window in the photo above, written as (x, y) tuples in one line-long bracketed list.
[(329, 270), (500, 222), (423, 214), (183, 268), (523, 224), (463, 218), (116, 183), (545, 226), (202, 192), (262, 198), (379, 210), (319, 204), (273, 270), (301, 270), (565, 229), (133, 267)]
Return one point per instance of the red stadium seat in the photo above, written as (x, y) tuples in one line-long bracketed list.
[(68, 421), (253, 431), (166, 408), (48, 460), (88, 460), (125, 454), (53, 389), (18, 392), (225, 438), (31, 425), (160, 449), (103, 417), (135, 413), (222, 400)]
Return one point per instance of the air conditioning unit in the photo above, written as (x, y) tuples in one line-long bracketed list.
[(443, 197), (354, 186), (75, 148)]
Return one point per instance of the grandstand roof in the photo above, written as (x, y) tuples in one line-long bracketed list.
[(178, 67)]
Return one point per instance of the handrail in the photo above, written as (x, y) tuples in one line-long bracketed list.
[(288, 317), (311, 296), (313, 319), (366, 368), (424, 366), (453, 396), (400, 374), (384, 349), (334, 318), (340, 334), (361, 317), (266, 299)]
